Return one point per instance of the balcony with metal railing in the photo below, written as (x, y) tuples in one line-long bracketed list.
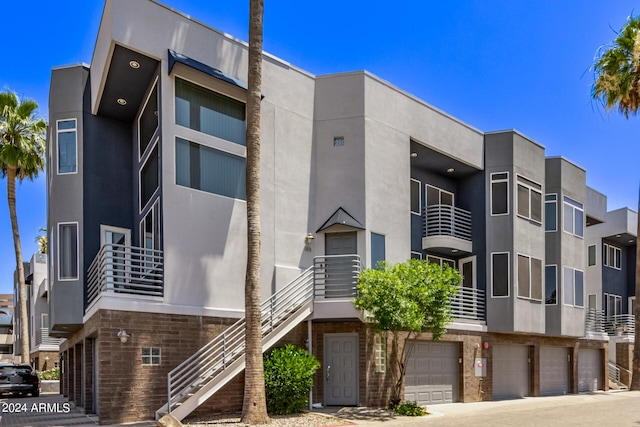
[(125, 270), (446, 227), (43, 338), (620, 325), (335, 285), (468, 304)]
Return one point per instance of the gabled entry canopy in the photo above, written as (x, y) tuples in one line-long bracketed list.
[(341, 219)]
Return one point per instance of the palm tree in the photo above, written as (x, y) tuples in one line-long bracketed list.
[(254, 407), (21, 156), (43, 242), (617, 86)]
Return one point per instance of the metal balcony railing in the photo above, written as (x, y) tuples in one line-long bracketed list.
[(445, 220), (43, 338), (336, 276), (124, 269), (620, 324), (468, 304), (594, 321)]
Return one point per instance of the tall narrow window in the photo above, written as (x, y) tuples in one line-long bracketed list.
[(529, 277), (591, 257), (500, 274), (380, 352), (437, 196), (500, 193), (67, 146), (149, 178), (209, 112), (612, 256), (551, 284), (529, 199), (551, 212), (415, 197), (210, 170), (573, 217), (148, 122), (68, 251), (377, 249), (573, 287)]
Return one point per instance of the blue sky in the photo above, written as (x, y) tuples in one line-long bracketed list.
[(495, 64)]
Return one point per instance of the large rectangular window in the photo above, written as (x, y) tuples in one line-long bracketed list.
[(551, 284), (149, 178), (611, 256), (209, 112), (612, 305), (500, 274), (551, 212), (68, 251), (441, 261), (573, 217), (500, 193), (210, 170), (529, 199), (415, 196), (67, 146), (377, 249), (573, 287), (529, 277)]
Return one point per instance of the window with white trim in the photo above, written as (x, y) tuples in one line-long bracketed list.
[(441, 261), (500, 274), (551, 284), (380, 353), (148, 121), (529, 277), (68, 251), (573, 286), (529, 199), (591, 255), (573, 217), (612, 305), (67, 146), (551, 212), (416, 255), (611, 256), (150, 356), (416, 201), (500, 193)]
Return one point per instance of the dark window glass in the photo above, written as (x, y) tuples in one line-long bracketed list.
[(579, 289), (149, 178), (149, 120), (68, 251), (523, 277), (551, 284), (536, 279), (523, 201), (415, 196), (67, 158), (536, 206), (499, 198), (500, 274), (592, 255), (377, 249)]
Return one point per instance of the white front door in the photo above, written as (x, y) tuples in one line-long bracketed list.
[(116, 242)]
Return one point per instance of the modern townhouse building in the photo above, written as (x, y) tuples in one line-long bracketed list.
[(147, 230), (6, 328)]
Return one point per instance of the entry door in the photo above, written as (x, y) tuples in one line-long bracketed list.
[(339, 271), (119, 240), (467, 294), (341, 369), (341, 243)]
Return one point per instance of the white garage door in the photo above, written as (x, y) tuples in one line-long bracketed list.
[(510, 371), (554, 371), (589, 370), (432, 373)]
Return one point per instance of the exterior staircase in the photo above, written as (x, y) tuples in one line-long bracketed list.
[(614, 377), (196, 379)]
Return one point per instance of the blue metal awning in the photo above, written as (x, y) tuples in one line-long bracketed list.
[(175, 57)]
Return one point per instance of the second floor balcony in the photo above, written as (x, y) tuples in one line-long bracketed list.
[(621, 325), (446, 227), (125, 270), (43, 338)]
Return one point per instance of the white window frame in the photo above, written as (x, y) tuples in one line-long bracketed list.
[(555, 203), (508, 275), (149, 150), (491, 182), (77, 276), (555, 266), (596, 298), (440, 259), (419, 196), (573, 271), (58, 132), (573, 218), (472, 260), (606, 261), (522, 180), (615, 298), (631, 302), (440, 191), (42, 317), (417, 253), (517, 277), (146, 101), (595, 255), (151, 357)]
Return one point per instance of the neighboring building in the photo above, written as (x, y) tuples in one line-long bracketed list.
[(147, 230), (44, 350), (6, 303), (6, 328)]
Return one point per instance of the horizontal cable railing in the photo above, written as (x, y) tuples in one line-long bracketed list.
[(43, 338), (229, 346), (336, 276), (126, 270), (468, 304), (620, 324), (446, 220), (614, 373), (594, 321)]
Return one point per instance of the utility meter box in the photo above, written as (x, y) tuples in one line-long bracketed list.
[(480, 365)]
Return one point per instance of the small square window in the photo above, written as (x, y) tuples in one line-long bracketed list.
[(338, 141), (150, 356)]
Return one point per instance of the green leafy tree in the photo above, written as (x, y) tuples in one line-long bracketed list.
[(21, 156), (616, 86), (411, 297)]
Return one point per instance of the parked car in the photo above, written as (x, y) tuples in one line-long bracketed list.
[(19, 379)]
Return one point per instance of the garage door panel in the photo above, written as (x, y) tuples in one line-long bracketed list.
[(589, 370), (432, 373), (510, 371), (554, 371)]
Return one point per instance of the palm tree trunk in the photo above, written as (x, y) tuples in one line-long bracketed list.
[(22, 294), (635, 376), (254, 408)]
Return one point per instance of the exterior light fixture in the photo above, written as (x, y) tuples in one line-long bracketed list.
[(618, 236), (451, 170), (121, 101), (414, 155), (46, 358), (308, 238), (453, 251), (123, 335), (134, 64)]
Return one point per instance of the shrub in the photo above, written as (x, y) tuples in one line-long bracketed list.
[(410, 409), (51, 374), (288, 377)]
